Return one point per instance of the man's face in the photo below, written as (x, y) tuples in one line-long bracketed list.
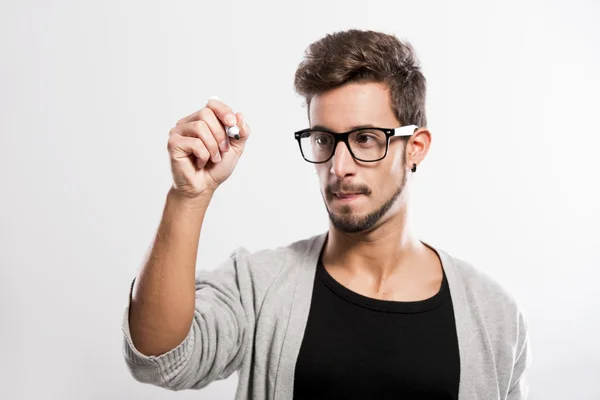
[(376, 185)]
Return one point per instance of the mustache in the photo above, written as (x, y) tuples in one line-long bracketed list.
[(337, 187)]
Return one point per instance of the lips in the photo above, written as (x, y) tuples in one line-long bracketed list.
[(346, 194)]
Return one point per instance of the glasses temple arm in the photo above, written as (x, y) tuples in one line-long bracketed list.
[(407, 130)]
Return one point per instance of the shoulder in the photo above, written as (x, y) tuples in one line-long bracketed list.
[(294, 251), (265, 265), (484, 294), (482, 285), (505, 325)]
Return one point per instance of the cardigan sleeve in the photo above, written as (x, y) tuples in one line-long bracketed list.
[(519, 382), (218, 338)]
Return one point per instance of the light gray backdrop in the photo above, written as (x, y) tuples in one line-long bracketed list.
[(89, 91)]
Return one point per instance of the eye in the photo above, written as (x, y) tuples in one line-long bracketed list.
[(364, 138), (368, 138), (323, 140)]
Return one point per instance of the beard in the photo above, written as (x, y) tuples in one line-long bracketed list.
[(348, 222)]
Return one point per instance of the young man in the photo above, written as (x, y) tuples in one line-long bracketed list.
[(363, 311)]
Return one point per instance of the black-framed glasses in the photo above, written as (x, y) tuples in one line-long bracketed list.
[(365, 144)]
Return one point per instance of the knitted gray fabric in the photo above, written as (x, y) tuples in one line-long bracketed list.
[(252, 310)]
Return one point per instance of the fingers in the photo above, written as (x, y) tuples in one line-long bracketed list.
[(200, 130), (183, 146), (223, 112), (216, 128), (217, 115)]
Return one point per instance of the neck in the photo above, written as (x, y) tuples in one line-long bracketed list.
[(388, 249)]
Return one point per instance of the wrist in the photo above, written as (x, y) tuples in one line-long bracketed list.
[(200, 200)]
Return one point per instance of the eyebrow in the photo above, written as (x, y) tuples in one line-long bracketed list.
[(324, 128)]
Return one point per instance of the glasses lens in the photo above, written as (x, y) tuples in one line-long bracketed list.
[(366, 145), (317, 146)]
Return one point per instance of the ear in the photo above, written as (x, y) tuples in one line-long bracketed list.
[(417, 147)]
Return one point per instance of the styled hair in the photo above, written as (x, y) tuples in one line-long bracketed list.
[(357, 56)]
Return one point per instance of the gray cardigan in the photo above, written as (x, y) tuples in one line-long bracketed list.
[(252, 310)]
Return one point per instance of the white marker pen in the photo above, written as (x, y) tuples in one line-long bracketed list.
[(232, 131)]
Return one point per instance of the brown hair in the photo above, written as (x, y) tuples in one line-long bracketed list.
[(365, 56)]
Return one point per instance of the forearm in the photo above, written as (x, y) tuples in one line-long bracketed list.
[(163, 298)]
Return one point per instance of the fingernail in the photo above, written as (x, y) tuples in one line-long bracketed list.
[(224, 146), (217, 157), (230, 119)]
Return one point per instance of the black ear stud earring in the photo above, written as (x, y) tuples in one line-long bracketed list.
[(414, 168)]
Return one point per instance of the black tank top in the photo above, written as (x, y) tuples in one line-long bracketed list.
[(357, 347)]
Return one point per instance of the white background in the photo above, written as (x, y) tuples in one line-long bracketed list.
[(89, 91)]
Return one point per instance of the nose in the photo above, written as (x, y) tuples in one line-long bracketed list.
[(342, 162)]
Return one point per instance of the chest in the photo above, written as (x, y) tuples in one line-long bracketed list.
[(359, 347), (416, 288)]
